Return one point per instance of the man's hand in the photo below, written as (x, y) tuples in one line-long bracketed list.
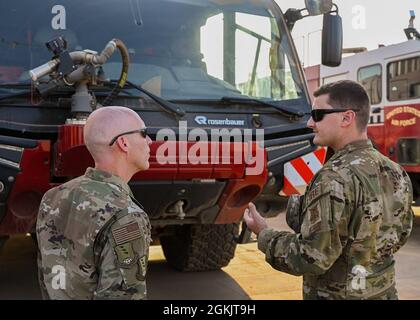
[(254, 220)]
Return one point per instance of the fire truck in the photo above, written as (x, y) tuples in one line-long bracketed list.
[(187, 67), (391, 77)]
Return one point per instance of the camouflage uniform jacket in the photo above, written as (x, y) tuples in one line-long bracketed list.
[(93, 240), (355, 214)]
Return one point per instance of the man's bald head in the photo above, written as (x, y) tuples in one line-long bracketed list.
[(104, 124)]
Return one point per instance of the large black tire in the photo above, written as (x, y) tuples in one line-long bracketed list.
[(3, 240), (200, 247), (415, 182), (34, 238)]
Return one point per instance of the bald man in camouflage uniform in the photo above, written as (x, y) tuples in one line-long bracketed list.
[(93, 235), (356, 212)]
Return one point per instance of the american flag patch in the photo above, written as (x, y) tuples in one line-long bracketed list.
[(126, 233)]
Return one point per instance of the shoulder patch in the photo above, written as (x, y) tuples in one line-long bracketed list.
[(126, 233), (315, 218), (127, 258), (314, 215), (316, 192)]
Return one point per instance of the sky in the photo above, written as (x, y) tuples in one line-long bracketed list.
[(366, 23)]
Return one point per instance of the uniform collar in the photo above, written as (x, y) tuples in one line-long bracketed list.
[(104, 176), (352, 146)]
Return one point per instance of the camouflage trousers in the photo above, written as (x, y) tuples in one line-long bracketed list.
[(390, 294)]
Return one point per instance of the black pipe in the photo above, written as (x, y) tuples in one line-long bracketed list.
[(124, 72)]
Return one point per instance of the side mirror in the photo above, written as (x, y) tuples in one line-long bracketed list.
[(332, 40), (317, 7)]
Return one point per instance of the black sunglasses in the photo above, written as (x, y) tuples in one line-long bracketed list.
[(142, 131), (318, 114)]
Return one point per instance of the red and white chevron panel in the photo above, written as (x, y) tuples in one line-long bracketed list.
[(300, 171)]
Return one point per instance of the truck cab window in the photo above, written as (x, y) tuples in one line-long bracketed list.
[(247, 53), (404, 79), (370, 78)]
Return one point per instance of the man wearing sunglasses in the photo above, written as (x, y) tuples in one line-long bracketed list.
[(355, 214), (93, 235)]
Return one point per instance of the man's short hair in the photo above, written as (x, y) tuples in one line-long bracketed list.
[(347, 94)]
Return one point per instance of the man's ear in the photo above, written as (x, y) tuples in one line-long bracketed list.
[(122, 143), (349, 117)]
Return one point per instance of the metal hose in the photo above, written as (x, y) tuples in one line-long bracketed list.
[(124, 71)]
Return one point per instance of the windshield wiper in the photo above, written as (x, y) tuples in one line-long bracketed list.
[(288, 112), (18, 85), (29, 88), (166, 105), (32, 89), (283, 110), (26, 87)]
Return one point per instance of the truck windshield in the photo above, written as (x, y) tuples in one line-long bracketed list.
[(179, 49)]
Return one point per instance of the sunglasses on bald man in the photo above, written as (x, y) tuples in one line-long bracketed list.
[(142, 131)]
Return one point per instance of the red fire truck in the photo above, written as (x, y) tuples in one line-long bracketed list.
[(391, 76), (216, 68)]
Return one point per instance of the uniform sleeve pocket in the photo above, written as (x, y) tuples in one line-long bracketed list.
[(127, 261), (129, 249)]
